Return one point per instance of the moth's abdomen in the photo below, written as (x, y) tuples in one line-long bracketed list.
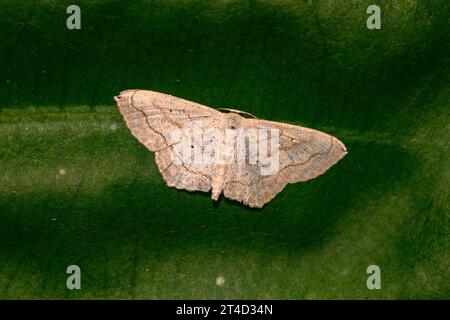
[(219, 180)]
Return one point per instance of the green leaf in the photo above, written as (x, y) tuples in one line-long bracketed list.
[(77, 188)]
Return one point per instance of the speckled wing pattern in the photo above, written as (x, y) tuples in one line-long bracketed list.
[(303, 153), (152, 116)]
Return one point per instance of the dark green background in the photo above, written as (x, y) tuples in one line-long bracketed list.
[(76, 188)]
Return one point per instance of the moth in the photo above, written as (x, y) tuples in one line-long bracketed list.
[(249, 160)]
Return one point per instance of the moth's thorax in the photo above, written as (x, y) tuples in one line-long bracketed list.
[(233, 120)]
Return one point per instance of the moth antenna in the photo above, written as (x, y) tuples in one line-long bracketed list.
[(239, 112)]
